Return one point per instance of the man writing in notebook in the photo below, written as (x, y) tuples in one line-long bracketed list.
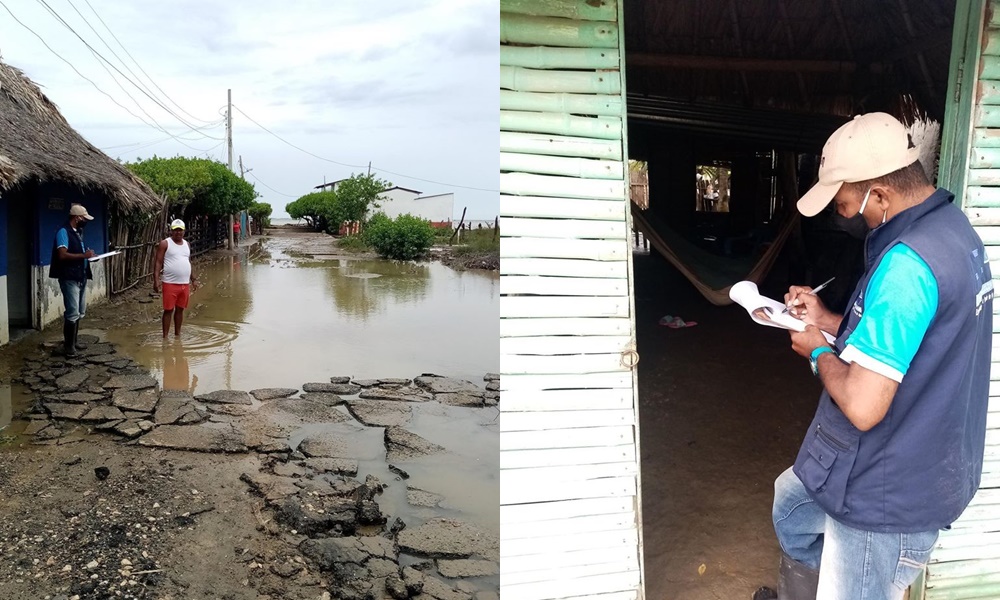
[(894, 453), (173, 260)]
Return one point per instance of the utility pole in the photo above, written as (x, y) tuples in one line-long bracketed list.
[(229, 144), (369, 168)]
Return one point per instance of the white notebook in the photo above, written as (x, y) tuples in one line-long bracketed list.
[(746, 294)]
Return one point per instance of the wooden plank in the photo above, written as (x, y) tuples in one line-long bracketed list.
[(549, 31), (509, 579), (580, 229), (558, 145), (588, 168), (567, 400), (980, 216), (545, 559), (594, 437), (563, 286), (578, 104), (555, 267), (584, 10), (603, 128), (520, 79), (542, 57), (982, 197), (989, 235), (553, 477), (566, 344), (569, 490), (987, 116), (542, 421), (584, 585), (989, 67), (524, 184), (531, 383), (611, 541), (984, 158), (561, 208), (513, 327), (629, 595), (986, 137), (986, 177), (524, 247), (570, 509), (564, 456), (569, 307), (989, 93), (516, 364), (959, 569)]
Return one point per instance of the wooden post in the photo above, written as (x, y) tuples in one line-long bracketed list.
[(460, 221)]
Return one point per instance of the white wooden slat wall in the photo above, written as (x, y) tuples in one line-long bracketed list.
[(965, 564), (569, 473)]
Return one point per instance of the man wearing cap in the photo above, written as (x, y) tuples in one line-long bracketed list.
[(70, 266), (894, 453), (173, 269)]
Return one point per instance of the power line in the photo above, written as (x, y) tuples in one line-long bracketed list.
[(269, 187), (129, 54), (91, 81), (99, 55), (466, 187)]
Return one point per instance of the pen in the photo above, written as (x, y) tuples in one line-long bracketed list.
[(813, 291)]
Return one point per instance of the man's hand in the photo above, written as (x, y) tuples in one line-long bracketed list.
[(804, 342), (89, 254), (810, 309), (156, 287)]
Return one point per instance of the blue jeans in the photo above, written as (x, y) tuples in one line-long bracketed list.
[(74, 299), (853, 564)]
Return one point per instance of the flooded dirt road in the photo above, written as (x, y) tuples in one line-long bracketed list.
[(283, 513)]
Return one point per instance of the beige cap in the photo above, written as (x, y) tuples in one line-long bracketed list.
[(77, 210), (176, 224), (864, 148)]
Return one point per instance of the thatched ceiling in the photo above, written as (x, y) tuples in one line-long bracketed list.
[(36, 142), (836, 56)]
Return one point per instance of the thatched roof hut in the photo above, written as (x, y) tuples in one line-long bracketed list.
[(36, 142)]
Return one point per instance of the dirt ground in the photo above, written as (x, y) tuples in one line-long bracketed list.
[(92, 516), (724, 406)]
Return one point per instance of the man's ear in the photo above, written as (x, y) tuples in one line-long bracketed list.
[(880, 195)]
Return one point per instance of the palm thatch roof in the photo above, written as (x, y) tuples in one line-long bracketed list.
[(839, 57), (36, 142)]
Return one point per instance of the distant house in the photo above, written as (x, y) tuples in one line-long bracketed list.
[(44, 167), (395, 201)]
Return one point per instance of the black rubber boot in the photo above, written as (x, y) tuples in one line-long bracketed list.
[(796, 581), (69, 340), (76, 337)]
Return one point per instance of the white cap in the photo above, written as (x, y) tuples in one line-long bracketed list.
[(867, 147), (77, 210), (176, 224)]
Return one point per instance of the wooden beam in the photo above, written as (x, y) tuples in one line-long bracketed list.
[(732, 63)]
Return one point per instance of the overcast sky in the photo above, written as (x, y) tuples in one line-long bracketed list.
[(409, 85)]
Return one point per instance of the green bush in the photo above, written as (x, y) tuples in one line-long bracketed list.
[(404, 238), (354, 243)]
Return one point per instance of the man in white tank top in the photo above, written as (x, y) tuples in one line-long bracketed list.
[(173, 269)]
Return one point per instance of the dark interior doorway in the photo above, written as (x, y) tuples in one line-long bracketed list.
[(20, 224)]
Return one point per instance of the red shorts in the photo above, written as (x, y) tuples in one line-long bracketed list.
[(176, 295)]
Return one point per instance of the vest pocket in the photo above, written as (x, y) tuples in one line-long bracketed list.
[(827, 468)]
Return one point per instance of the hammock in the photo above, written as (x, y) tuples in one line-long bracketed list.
[(712, 275)]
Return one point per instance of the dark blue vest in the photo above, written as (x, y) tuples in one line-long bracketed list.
[(918, 469), (74, 269)]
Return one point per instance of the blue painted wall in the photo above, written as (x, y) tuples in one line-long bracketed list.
[(54, 200), (3, 235)]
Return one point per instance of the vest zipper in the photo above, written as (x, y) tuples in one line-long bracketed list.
[(826, 436)]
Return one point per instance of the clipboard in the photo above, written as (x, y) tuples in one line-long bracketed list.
[(105, 255)]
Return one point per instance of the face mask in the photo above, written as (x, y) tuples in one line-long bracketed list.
[(81, 225), (855, 226)]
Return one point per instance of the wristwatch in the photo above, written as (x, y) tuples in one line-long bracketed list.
[(814, 357)]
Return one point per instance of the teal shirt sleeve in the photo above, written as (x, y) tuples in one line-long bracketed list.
[(62, 240), (900, 302)]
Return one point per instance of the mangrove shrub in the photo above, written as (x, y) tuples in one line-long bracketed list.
[(404, 238)]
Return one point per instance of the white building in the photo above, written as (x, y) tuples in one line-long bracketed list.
[(395, 201)]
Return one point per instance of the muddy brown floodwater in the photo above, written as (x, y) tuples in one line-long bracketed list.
[(350, 472)]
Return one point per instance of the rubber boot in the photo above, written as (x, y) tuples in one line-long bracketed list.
[(796, 581), (69, 342), (76, 337)]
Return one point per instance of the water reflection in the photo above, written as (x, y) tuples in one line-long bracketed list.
[(176, 371), (366, 288), (6, 408)]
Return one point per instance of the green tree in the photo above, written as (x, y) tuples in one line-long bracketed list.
[(195, 185), (354, 197), (313, 207), (261, 213)]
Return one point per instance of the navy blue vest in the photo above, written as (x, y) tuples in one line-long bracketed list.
[(74, 269), (918, 469)]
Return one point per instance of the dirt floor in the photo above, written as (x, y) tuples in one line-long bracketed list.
[(90, 515), (724, 406)]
